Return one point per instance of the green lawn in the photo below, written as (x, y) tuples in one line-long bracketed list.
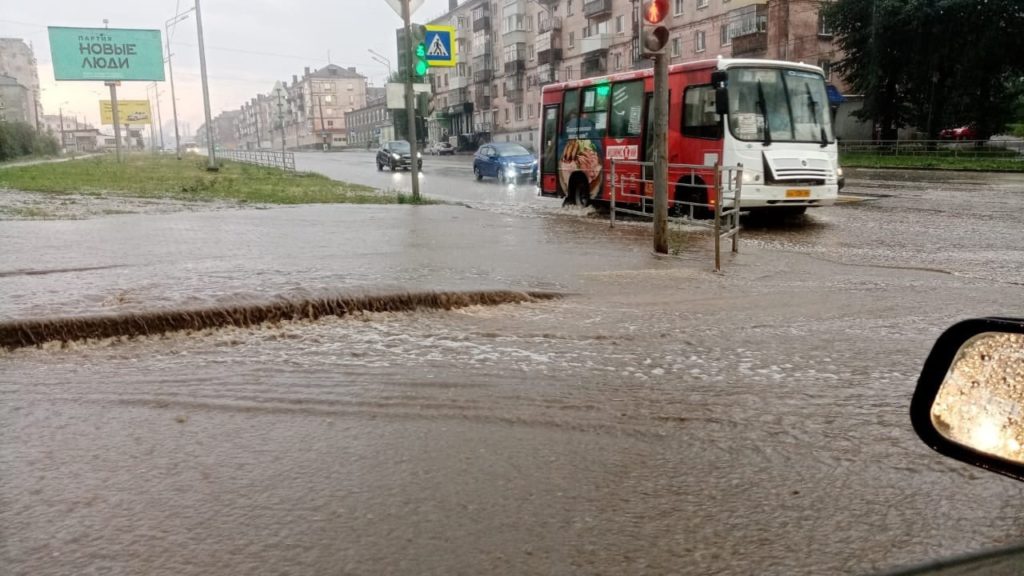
[(150, 176), (869, 160)]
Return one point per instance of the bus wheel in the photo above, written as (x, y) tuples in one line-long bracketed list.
[(580, 190), (691, 189)]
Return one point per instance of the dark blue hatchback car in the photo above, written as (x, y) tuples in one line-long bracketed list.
[(506, 161)]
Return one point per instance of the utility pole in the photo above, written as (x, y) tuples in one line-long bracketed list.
[(660, 153), (159, 117), (170, 69), (211, 164), (116, 118), (410, 106)]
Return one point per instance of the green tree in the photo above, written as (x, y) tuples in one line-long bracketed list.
[(932, 63)]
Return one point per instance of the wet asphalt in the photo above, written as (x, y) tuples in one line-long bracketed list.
[(660, 419)]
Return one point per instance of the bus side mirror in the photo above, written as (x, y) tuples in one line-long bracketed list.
[(721, 101), (720, 79)]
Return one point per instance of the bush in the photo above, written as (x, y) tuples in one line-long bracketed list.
[(20, 139)]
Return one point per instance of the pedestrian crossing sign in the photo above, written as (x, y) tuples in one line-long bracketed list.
[(440, 42)]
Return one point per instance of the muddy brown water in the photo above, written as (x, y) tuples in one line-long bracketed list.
[(659, 419)]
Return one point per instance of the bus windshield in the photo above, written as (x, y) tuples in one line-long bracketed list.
[(778, 105)]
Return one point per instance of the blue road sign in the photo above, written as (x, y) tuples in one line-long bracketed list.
[(440, 42)]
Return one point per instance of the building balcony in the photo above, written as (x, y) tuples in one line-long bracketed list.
[(548, 47), (516, 66), (754, 44), (552, 24), (509, 7), (598, 10), (547, 74), (595, 64), (518, 36), (595, 43), (515, 95), (482, 100), (463, 33), (481, 23), (457, 82), (458, 96), (482, 75)]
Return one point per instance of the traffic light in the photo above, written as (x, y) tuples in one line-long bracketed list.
[(653, 32), (419, 51)]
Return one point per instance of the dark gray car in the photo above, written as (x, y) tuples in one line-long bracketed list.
[(396, 154)]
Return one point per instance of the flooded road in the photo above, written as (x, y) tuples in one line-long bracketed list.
[(659, 419)]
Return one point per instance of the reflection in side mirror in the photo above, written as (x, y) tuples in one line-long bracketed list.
[(969, 402)]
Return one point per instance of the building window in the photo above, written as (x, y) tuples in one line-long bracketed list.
[(675, 47), (568, 8), (530, 52), (586, 32), (506, 115), (699, 41), (330, 123), (726, 35), (519, 113), (679, 7), (572, 40), (618, 61), (826, 67), (618, 24), (529, 111), (824, 27), (702, 4)]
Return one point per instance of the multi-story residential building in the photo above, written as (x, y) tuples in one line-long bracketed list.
[(253, 127), (18, 61), (15, 101), (370, 125), (224, 130), (508, 49)]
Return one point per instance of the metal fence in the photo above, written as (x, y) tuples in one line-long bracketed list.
[(282, 160), (1008, 148), (631, 193)]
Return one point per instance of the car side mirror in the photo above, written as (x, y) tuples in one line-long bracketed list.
[(969, 400)]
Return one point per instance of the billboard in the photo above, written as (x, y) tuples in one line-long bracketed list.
[(128, 112), (106, 54)]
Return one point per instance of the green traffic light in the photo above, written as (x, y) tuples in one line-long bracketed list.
[(421, 60)]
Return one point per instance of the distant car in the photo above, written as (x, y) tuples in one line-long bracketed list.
[(968, 132), (397, 154), (442, 149), (506, 161)]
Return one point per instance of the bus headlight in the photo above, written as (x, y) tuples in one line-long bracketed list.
[(751, 177), (839, 172)]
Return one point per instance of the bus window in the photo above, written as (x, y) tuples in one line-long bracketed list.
[(627, 110), (699, 117), (594, 117), (570, 112), (549, 145)]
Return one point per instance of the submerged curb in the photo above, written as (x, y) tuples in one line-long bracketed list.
[(25, 333)]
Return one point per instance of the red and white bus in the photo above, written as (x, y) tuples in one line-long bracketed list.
[(778, 127)]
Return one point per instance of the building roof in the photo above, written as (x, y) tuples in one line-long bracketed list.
[(335, 71)]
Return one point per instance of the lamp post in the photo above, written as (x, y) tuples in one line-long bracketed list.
[(170, 69)]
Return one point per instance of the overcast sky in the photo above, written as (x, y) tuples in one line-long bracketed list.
[(250, 44)]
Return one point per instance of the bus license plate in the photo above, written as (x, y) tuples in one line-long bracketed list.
[(798, 193)]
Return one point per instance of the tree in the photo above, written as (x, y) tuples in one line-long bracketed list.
[(931, 63)]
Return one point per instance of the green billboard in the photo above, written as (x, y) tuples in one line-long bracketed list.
[(107, 54)]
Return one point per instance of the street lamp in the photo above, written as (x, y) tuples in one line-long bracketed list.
[(381, 59), (170, 69)]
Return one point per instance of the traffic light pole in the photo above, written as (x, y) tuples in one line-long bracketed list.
[(660, 153), (410, 104)]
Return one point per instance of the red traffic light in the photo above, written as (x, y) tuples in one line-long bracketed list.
[(655, 11)]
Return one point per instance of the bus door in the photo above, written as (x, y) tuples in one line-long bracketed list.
[(549, 151), (625, 132)]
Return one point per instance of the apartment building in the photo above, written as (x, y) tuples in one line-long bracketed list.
[(16, 102), (311, 112), (370, 125), (508, 49), (18, 61)]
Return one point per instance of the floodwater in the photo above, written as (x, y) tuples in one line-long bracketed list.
[(659, 419)]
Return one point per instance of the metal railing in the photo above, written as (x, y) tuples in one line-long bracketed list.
[(632, 193), (282, 160), (1009, 149)]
